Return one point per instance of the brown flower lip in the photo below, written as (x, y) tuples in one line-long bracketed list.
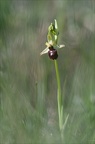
[(52, 53)]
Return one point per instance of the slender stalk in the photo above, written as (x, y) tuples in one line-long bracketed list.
[(59, 99)]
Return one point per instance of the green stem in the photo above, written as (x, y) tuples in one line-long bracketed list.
[(59, 98)]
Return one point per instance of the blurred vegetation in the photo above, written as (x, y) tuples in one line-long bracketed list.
[(28, 102)]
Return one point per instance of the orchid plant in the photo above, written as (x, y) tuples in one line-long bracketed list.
[(51, 49)]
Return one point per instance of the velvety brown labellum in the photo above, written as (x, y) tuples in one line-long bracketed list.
[(52, 53)]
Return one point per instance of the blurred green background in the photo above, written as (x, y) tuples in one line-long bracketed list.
[(28, 89)]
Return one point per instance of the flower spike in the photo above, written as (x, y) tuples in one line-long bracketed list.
[(52, 38)]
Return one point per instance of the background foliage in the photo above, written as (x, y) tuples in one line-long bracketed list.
[(28, 103)]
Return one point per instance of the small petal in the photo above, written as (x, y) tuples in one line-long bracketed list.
[(49, 44)]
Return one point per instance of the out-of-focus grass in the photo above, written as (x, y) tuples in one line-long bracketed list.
[(28, 102)]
